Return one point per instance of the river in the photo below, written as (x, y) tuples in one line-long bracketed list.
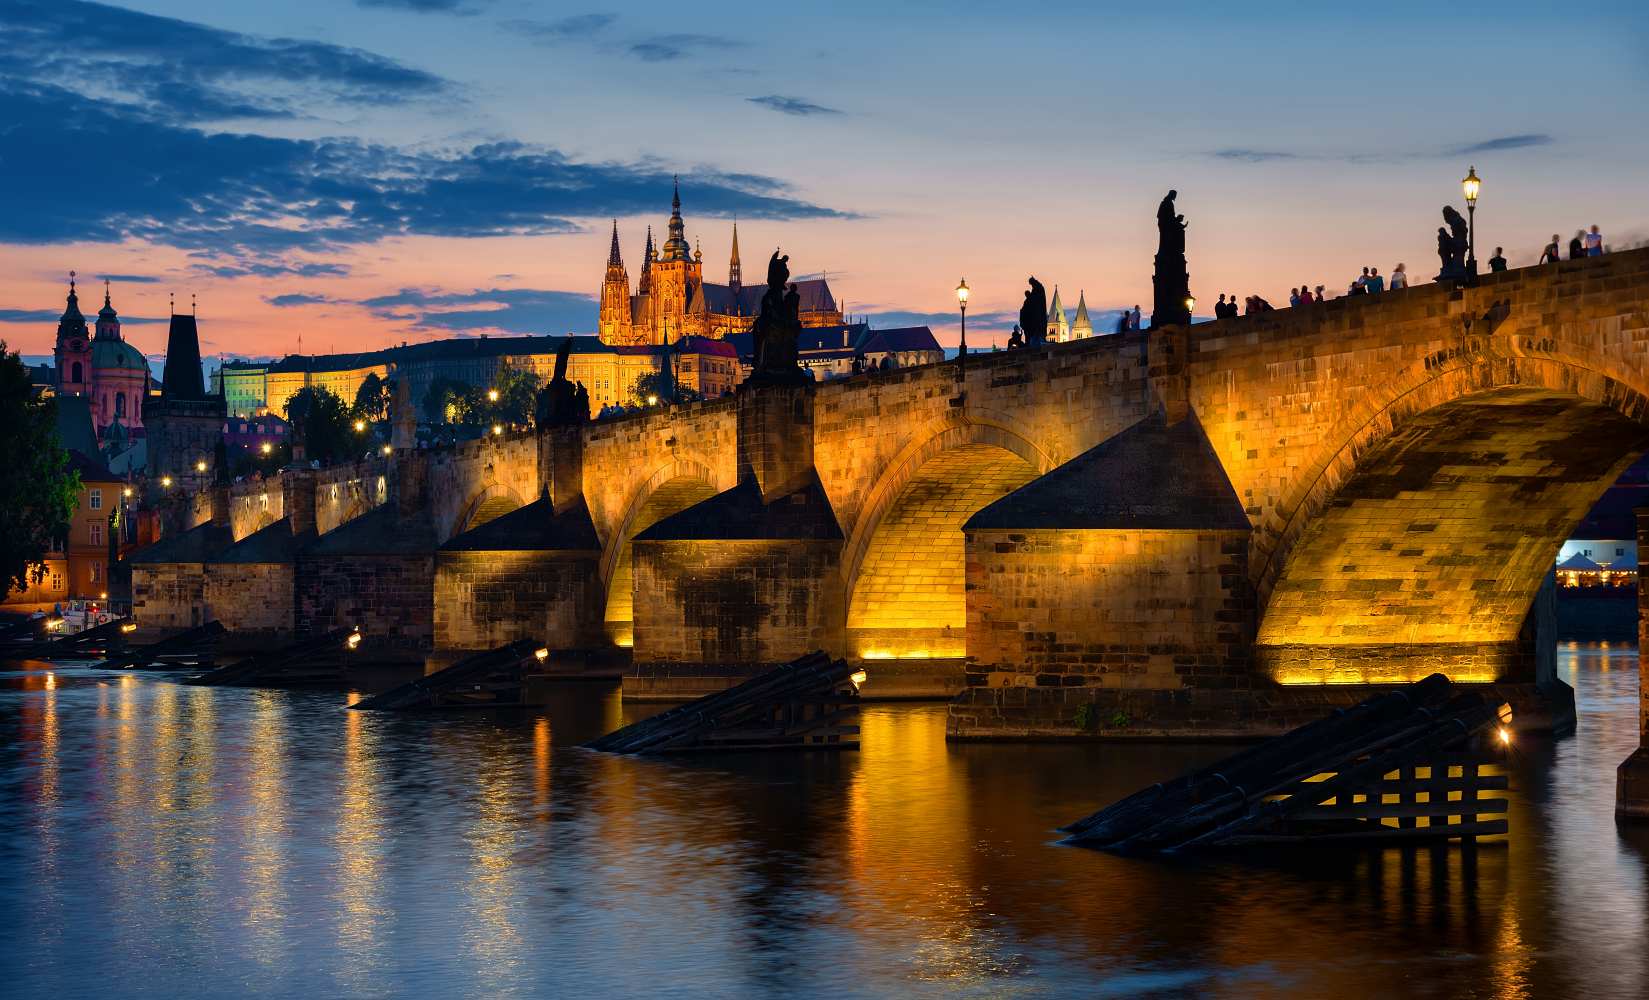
[(169, 841)]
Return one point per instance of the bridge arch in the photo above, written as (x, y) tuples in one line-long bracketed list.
[(1421, 539), (491, 501), (902, 568), (672, 487)]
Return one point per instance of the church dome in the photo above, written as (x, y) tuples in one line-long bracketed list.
[(110, 355)]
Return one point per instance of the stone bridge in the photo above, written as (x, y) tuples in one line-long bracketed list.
[(1354, 492)]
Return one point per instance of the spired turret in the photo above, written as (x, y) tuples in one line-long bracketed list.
[(1059, 329), (1082, 328), (614, 320)]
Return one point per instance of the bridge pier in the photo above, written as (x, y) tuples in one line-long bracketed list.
[(1632, 777), (749, 578)]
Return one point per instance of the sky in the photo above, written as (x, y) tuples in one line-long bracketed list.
[(350, 174)]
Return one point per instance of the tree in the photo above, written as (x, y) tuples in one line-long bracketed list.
[(517, 390), (327, 430), (38, 493), (661, 386), (372, 398), (448, 401)]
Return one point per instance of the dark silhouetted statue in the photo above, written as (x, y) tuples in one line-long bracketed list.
[(1033, 315), (1452, 244), (777, 330), (1171, 284), (562, 402)]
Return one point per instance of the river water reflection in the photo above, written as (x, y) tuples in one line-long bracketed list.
[(169, 841)]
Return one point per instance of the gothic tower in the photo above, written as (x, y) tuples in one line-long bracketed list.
[(675, 276), (1082, 328), (735, 277), (73, 353), (614, 323)]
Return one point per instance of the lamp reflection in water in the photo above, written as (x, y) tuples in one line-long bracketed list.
[(359, 841)]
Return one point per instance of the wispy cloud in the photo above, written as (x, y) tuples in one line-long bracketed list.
[(792, 105), (509, 310), (191, 72), (426, 6), (130, 279), (1253, 155), (665, 48), (578, 27), (291, 299), (1504, 142), (1495, 145), (53, 315)]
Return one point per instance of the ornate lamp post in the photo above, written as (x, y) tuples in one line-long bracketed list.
[(1471, 184), (962, 300)]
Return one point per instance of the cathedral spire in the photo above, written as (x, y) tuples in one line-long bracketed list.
[(613, 259), (735, 277), (675, 247)]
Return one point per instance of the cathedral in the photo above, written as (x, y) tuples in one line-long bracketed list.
[(672, 299)]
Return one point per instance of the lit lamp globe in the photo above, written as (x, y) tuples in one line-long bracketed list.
[(962, 291), (1190, 304), (492, 395), (200, 466), (1471, 185), (360, 425), (267, 448)]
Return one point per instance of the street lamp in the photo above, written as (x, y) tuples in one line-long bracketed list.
[(165, 482), (962, 301), (497, 429), (1471, 184), (360, 425), (1190, 306), (492, 395), (266, 448), (652, 400), (200, 466)]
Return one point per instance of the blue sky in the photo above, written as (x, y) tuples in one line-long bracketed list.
[(370, 172)]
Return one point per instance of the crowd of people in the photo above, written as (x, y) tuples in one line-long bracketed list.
[(1586, 243)]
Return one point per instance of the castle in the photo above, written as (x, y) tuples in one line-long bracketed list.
[(672, 300)]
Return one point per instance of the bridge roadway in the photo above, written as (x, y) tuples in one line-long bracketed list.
[(1151, 529)]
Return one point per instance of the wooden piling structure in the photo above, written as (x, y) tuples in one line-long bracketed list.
[(1407, 765)]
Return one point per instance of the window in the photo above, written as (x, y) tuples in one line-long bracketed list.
[(97, 571), (75, 373), (96, 500), (57, 580), (97, 531), (120, 404), (1619, 552), (1587, 553)]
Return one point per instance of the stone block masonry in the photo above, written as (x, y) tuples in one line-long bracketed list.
[(486, 599), (389, 596), (254, 601)]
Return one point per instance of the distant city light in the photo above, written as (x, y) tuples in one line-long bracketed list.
[(497, 428), (387, 449), (360, 425), (492, 395), (267, 448), (200, 466), (166, 482), (652, 400)]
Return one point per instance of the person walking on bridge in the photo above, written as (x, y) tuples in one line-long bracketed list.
[(1550, 254), (1497, 263), (1577, 246), (1400, 277)]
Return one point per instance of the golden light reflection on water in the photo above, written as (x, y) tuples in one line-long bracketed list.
[(358, 841), (909, 853), (266, 829), (489, 930)]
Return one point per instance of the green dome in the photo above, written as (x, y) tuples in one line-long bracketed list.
[(110, 354)]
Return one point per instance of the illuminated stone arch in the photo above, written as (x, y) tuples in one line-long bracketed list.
[(492, 501), (1421, 539), (903, 566), (672, 487)]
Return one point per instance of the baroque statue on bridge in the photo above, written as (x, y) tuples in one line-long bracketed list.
[(561, 401), (1033, 315), (1171, 284), (778, 328), (1452, 243)]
